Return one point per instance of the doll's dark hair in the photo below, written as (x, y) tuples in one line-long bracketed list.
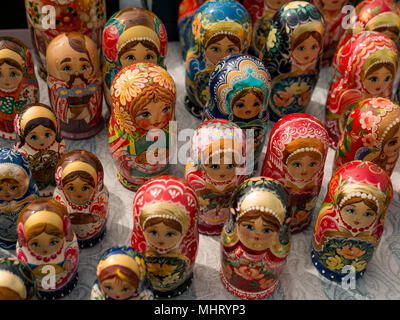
[(146, 43)]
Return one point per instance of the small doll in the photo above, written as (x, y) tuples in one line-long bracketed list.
[(296, 154), (75, 86), (121, 275), (80, 188), (17, 188), (18, 84), (256, 240), (165, 214), (372, 133), (41, 143), (215, 169), (220, 28), (239, 91), (351, 219), (132, 35), (143, 103), (292, 55), (365, 67), (17, 281), (48, 245)]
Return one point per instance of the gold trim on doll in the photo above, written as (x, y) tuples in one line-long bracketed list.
[(11, 286), (7, 54), (33, 112), (137, 33), (387, 23)]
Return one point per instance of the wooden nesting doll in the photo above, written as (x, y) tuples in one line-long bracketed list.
[(365, 67), (372, 133), (143, 103), (17, 188), (121, 275), (48, 18), (75, 86), (18, 83), (239, 91), (351, 219), (296, 154), (256, 240), (165, 213), (17, 281), (292, 55), (220, 28), (215, 169), (48, 245), (132, 35), (80, 188), (41, 143)]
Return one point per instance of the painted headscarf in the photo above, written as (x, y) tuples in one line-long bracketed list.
[(366, 132), (232, 75)]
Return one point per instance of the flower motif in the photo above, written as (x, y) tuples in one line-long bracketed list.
[(249, 273), (161, 270), (266, 283), (227, 270), (271, 38), (68, 20), (359, 266), (296, 89), (369, 140), (367, 120), (128, 85), (334, 263), (196, 26), (350, 253), (29, 62), (110, 40)]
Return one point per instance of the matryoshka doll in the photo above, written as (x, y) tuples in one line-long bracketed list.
[(75, 85), (220, 28), (41, 143), (85, 16), (365, 67), (165, 213), (17, 188), (48, 245), (17, 281), (296, 154), (143, 103), (132, 35), (215, 169), (351, 219), (80, 188), (292, 54), (18, 84), (121, 275), (256, 240), (372, 133)]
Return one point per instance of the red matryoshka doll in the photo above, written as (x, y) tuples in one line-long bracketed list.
[(220, 28), (165, 213), (365, 67), (143, 103), (85, 16), (296, 154), (41, 143), (17, 281), (48, 245), (121, 275), (215, 169), (132, 35), (80, 188), (75, 86), (18, 84), (351, 219), (372, 133), (256, 240), (292, 54)]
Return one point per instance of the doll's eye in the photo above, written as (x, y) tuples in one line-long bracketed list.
[(1, 75), (256, 104), (297, 164), (108, 288), (84, 189), (47, 135), (230, 166), (125, 290), (13, 188), (215, 167), (215, 49), (34, 138), (388, 78), (350, 211), (53, 243), (145, 115), (35, 244), (373, 79), (148, 57), (240, 105), (392, 143), (84, 67), (154, 233), (72, 189), (267, 231), (230, 50), (368, 214), (67, 68), (1, 189), (13, 75), (313, 164), (314, 47), (166, 109), (170, 235), (249, 227), (301, 48), (130, 57)]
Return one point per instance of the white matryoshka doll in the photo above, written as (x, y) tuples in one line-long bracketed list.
[(17, 188), (80, 188), (216, 168), (165, 213), (48, 245), (121, 275), (256, 240), (75, 85), (41, 143), (18, 84), (351, 219), (296, 154)]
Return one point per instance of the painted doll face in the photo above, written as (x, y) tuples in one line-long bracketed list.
[(216, 51), (40, 137), (378, 81), (247, 107), (256, 234), (332, 4), (358, 215), (10, 77), (10, 189), (221, 171), (162, 236), (117, 288), (154, 115), (78, 191), (307, 51), (392, 146), (138, 53), (303, 167), (45, 244)]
